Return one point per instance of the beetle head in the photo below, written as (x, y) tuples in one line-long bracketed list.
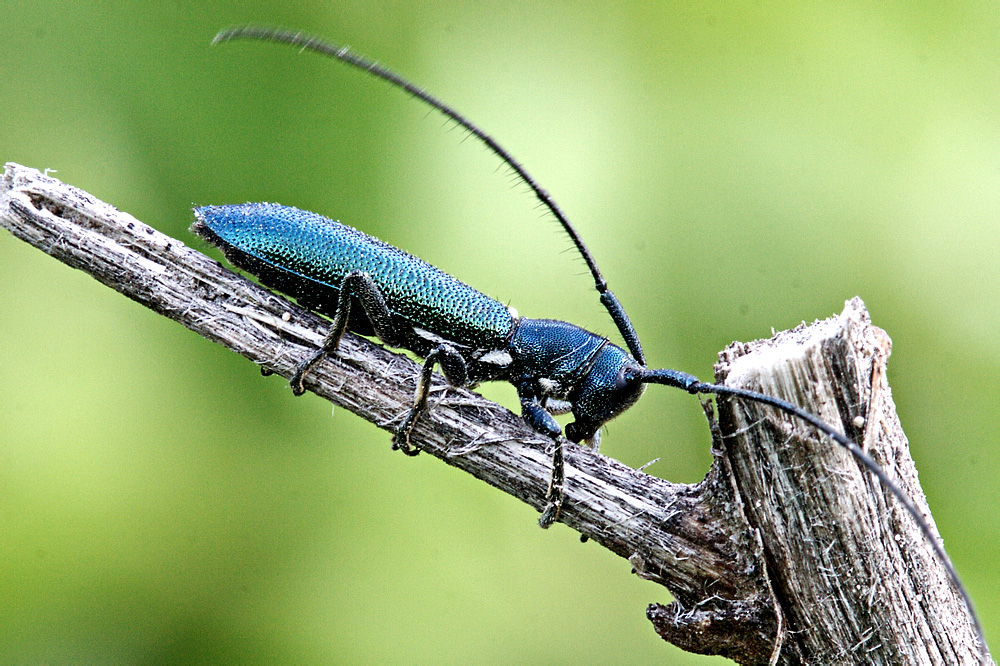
[(613, 385)]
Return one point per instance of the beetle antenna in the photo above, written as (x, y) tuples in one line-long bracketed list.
[(344, 54), (693, 385)]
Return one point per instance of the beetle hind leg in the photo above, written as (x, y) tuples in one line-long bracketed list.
[(455, 371), (360, 285)]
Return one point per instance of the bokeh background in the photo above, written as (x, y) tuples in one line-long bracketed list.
[(735, 168)]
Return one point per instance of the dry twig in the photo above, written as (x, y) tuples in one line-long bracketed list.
[(786, 551)]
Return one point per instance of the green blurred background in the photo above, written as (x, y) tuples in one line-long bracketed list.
[(735, 168)]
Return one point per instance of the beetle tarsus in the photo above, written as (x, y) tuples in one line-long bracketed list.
[(296, 384), (401, 440), (555, 495)]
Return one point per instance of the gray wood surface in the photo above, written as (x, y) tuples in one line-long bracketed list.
[(786, 552)]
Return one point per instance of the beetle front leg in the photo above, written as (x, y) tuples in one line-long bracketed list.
[(556, 493), (454, 369), (542, 421)]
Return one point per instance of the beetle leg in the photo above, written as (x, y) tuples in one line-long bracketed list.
[(454, 369), (542, 421), (555, 495), (360, 285)]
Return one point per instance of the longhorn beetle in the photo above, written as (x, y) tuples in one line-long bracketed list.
[(372, 288)]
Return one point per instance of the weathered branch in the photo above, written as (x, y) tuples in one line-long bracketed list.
[(855, 577), (785, 550)]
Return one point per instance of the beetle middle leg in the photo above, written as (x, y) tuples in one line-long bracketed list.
[(453, 368), (390, 330)]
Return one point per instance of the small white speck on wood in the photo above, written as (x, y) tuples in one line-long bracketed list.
[(787, 552)]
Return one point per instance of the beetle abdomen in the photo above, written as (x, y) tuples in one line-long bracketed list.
[(306, 256)]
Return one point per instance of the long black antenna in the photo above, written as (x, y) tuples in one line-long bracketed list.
[(673, 378), (693, 385), (344, 54)]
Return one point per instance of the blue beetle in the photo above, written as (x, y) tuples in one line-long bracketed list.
[(372, 288)]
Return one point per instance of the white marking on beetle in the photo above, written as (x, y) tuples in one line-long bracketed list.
[(556, 407), (427, 335), (499, 357), (549, 386)]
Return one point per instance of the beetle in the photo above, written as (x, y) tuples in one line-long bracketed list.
[(372, 288)]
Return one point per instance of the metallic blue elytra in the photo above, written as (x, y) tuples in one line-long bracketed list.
[(307, 256)]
